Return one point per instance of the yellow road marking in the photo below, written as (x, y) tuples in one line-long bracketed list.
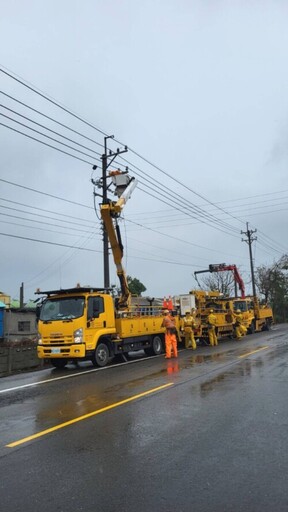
[(80, 418), (253, 351)]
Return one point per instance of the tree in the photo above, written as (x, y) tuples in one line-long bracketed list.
[(135, 286), (272, 283), (222, 282)]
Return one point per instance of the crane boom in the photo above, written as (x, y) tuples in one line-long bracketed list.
[(221, 267)]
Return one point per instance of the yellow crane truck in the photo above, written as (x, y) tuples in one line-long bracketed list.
[(206, 300), (87, 323), (256, 317)]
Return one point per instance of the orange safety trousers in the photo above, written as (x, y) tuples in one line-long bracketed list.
[(171, 344)]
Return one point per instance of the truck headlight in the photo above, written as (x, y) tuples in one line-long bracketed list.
[(78, 335), (39, 339)]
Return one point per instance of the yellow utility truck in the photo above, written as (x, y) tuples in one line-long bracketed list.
[(205, 301), (256, 317), (87, 323), (83, 324)]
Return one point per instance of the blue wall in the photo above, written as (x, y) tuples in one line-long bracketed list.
[(1, 322)]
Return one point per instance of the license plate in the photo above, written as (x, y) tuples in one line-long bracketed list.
[(55, 351)]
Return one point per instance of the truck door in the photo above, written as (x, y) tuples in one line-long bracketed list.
[(96, 317)]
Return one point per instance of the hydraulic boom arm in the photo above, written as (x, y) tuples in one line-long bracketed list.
[(110, 213), (221, 267)]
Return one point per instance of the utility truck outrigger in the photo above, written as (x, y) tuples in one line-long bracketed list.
[(87, 323)]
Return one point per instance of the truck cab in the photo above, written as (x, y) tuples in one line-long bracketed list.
[(72, 321)]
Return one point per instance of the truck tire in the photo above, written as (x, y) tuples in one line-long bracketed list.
[(58, 363), (101, 355), (266, 326), (156, 347)]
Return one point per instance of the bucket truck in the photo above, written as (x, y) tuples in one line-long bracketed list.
[(86, 323)]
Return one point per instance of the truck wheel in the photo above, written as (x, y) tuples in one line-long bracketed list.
[(101, 355), (156, 347), (58, 363), (266, 326)]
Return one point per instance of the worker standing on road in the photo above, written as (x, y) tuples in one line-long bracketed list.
[(188, 323), (170, 335), (211, 320), (240, 329)]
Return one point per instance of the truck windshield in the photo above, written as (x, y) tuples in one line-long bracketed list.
[(62, 309), (242, 305)]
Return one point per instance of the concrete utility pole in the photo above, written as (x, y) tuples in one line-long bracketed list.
[(105, 165), (21, 302), (249, 241)]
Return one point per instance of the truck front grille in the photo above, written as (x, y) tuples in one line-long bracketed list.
[(61, 340)]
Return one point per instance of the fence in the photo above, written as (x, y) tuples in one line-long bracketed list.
[(17, 358)]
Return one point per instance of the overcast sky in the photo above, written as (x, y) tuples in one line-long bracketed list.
[(196, 88)]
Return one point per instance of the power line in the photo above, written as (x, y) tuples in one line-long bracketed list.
[(46, 194), (176, 180), (70, 147), (51, 118), (49, 243), (172, 237), (43, 229), (277, 243), (103, 133), (44, 216), (198, 209), (52, 101), (49, 129), (45, 144), (57, 259), (47, 136), (45, 210), (195, 208), (43, 223), (165, 202)]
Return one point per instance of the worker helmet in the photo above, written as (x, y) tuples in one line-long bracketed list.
[(165, 311), (211, 310), (238, 310)]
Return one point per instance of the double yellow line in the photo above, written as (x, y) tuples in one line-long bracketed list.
[(86, 416)]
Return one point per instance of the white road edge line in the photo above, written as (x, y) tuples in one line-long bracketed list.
[(47, 381)]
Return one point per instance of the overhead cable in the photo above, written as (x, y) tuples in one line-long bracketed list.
[(45, 144)]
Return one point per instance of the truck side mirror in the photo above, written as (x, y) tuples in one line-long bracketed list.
[(38, 312)]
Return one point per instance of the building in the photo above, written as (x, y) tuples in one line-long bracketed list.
[(6, 299), (17, 324)]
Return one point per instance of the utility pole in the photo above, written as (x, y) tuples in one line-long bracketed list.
[(249, 241), (105, 165), (21, 295)]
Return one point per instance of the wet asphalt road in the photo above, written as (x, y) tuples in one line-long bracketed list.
[(206, 432)]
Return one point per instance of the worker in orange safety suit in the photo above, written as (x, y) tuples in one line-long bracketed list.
[(188, 323), (211, 320), (170, 335)]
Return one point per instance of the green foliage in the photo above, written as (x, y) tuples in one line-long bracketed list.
[(135, 286), (272, 282)]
